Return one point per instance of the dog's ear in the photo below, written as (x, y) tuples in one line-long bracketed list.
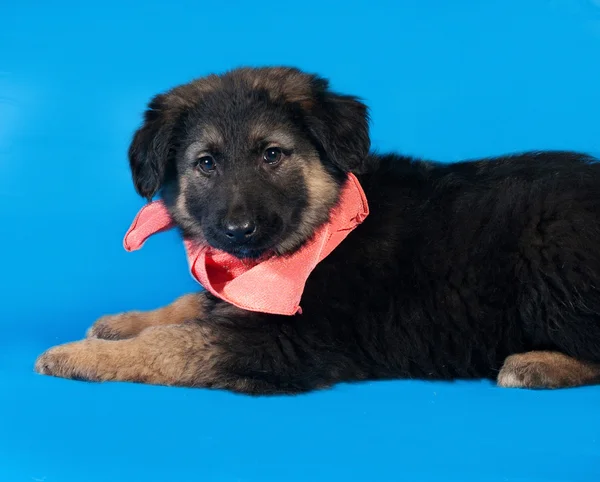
[(153, 144), (150, 149), (340, 126)]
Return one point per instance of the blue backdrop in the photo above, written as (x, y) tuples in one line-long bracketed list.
[(444, 79)]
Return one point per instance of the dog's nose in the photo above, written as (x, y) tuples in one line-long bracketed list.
[(239, 231)]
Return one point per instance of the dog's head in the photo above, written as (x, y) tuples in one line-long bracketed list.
[(251, 161)]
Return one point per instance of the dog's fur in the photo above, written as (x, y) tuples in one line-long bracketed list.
[(476, 269)]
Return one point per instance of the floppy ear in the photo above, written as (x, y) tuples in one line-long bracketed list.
[(150, 149), (340, 125)]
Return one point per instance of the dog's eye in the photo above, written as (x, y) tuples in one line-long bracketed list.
[(272, 155), (206, 164)]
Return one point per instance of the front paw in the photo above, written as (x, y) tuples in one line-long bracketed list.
[(73, 360), (116, 327)]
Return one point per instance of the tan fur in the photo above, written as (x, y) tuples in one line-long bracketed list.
[(181, 197), (183, 215), (183, 96), (323, 193), (182, 355), (126, 325), (281, 83), (260, 132), (208, 139), (546, 369)]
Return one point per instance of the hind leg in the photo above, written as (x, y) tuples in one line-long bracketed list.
[(547, 369)]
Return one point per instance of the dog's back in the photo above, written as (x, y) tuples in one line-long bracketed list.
[(461, 265)]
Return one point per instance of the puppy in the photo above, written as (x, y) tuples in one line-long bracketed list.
[(488, 268)]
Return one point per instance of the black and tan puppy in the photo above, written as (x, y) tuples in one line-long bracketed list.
[(476, 269)]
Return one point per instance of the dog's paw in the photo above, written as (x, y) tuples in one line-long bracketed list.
[(73, 360), (544, 370), (117, 327)]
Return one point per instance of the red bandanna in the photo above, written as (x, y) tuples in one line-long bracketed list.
[(274, 285)]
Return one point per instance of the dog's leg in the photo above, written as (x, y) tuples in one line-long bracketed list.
[(546, 369), (231, 349), (163, 355), (131, 323)]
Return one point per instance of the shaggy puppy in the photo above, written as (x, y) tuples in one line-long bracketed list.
[(476, 269)]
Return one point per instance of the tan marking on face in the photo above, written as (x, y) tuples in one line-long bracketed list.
[(126, 325), (546, 369), (181, 196), (271, 137), (209, 139), (211, 136), (183, 215), (323, 193)]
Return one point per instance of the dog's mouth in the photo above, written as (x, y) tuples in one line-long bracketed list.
[(251, 254), (259, 249)]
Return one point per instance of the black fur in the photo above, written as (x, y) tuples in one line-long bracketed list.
[(151, 148)]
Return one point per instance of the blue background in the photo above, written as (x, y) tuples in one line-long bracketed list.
[(444, 79)]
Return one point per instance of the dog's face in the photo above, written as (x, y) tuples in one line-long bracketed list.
[(251, 161)]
